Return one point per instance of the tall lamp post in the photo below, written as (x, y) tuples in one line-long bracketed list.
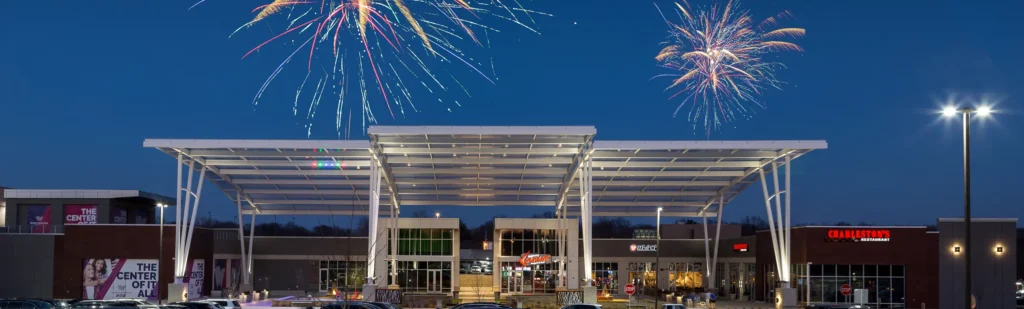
[(160, 243), (966, 112), (657, 257)]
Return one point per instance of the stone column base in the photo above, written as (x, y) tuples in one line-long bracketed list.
[(590, 295), (177, 292), (369, 292), (393, 287), (785, 298)]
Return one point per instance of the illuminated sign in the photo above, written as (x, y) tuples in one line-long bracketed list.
[(739, 247), (643, 248), (858, 235), (528, 259)]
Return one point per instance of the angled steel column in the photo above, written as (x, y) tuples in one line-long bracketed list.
[(586, 211), (374, 216), (771, 223)]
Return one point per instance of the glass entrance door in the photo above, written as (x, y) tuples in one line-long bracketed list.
[(515, 281), (434, 281)]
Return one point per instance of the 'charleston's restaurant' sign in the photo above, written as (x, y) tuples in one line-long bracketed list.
[(858, 235)]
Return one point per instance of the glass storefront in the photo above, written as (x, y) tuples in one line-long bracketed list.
[(533, 279), (606, 277), (341, 275), (642, 275), (424, 242), (423, 277), (517, 242), (885, 283), (685, 276)]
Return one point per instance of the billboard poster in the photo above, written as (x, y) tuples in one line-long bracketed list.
[(119, 278), (39, 218), (220, 274), (80, 214), (120, 216), (196, 273)]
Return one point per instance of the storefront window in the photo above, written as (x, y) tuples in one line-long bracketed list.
[(885, 284), (685, 276), (606, 277), (423, 277), (341, 275), (533, 279), (424, 242), (517, 242)]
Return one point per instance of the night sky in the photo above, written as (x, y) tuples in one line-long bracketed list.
[(82, 83)]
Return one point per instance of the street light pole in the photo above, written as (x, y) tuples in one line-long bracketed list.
[(966, 113), (160, 243), (967, 204)]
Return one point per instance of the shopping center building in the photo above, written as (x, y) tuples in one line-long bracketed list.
[(561, 169), (564, 168)]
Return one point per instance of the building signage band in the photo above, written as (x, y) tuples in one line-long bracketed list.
[(528, 259), (858, 235), (643, 248)]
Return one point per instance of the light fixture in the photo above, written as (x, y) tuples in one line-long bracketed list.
[(984, 111), (949, 111), (437, 214), (998, 249), (660, 209), (955, 249)]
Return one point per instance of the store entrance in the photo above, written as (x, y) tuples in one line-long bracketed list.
[(515, 281), (434, 281)]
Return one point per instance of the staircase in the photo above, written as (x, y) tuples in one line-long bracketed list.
[(476, 288)]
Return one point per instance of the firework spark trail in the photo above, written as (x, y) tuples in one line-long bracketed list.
[(718, 57), (375, 34)]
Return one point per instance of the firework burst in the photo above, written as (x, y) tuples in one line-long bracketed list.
[(718, 55), (375, 51)]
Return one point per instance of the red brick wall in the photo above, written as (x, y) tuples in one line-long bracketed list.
[(912, 247), (122, 242)]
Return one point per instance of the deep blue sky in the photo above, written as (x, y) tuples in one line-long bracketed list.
[(82, 83)]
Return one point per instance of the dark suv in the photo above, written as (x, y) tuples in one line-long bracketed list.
[(25, 304)]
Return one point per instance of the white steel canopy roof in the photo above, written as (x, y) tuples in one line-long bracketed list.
[(482, 166)]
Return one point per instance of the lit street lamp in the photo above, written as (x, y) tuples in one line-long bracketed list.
[(437, 214), (966, 112), (160, 243)]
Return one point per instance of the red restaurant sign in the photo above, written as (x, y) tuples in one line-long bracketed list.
[(528, 259), (739, 247), (858, 235)]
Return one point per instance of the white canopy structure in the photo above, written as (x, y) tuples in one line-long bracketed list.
[(541, 166)]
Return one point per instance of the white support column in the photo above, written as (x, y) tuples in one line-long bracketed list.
[(177, 216), (771, 222), (252, 235), (560, 220), (718, 237), (241, 236), (707, 250), (184, 227), (789, 257), (394, 248), (779, 227), (587, 210), (374, 210)]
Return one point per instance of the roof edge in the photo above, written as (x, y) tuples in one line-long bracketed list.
[(482, 130)]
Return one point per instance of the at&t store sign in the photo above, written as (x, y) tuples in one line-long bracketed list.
[(643, 248)]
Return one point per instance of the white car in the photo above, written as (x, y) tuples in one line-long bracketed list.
[(223, 303), (475, 270)]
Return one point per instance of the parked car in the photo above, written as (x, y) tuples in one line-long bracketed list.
[(24, 304), (673, 306), (351, 305), (196, 305), (582, 306), (386, 305), (96, 304), (224, 303), (480, 305)]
